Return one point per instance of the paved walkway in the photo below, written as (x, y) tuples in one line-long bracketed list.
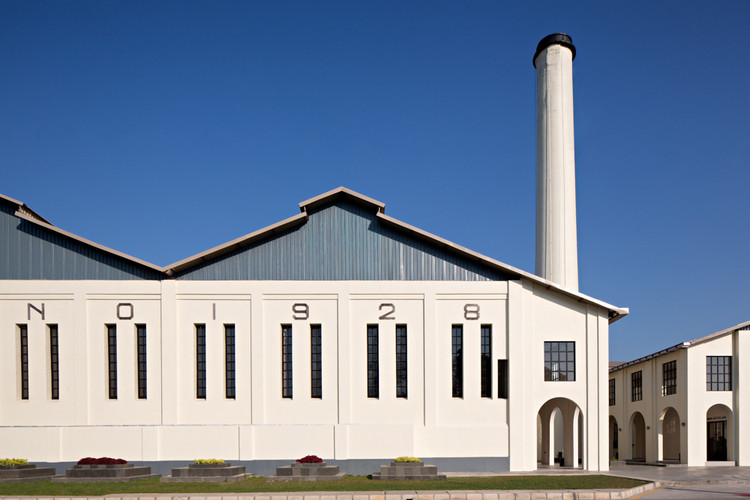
[(686, 475)]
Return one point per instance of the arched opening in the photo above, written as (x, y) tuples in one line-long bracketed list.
[(637, 437), (559, 434), (669, 435), (720, 445), (614, 439)]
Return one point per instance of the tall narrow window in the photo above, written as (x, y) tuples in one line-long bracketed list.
[(286, 361), (636, 387), (669, 377), (373, 365), (112, 360), (486, 360), (457, 343), (229, 379), (24, 342), (401, 366), (560, 361), (502, 378), (316, 367), (611, 392), (718, 373), (140, 332), (200, 361), (54, 363)]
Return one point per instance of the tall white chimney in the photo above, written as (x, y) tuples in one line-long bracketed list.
[(556, 236)]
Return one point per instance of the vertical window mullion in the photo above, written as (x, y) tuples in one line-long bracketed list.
[(142, 362), (286, 362), (401, 362), (457, 341), (486, 361), (23, 334), (54, 362), (200, 361), (373, 363), (229, 362), (112, 360), (316, 360)]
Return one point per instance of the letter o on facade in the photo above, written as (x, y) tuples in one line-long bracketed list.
[(125, 310)]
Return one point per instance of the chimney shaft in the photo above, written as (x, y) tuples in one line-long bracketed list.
[(556, 236)]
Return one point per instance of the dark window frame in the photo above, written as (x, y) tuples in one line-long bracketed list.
[(373, 361), (200, 361), (611, 392), (54, 362), (23, 337), (141, 342), (718, 373), (112, 360), (457, 362), (485, 360), (287, 360), (636, 386), (669, 378), (402, 361), (230, 349), (559, 355), (316, 362)]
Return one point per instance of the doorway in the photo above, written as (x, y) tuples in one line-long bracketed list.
[(717, 441)]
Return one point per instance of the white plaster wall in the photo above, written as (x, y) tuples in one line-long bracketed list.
[(214, 311), (701, 399), (387, 408), (742, 395), (540, 315), (259, 424)]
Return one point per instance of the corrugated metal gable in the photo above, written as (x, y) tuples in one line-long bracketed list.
[(30, 251), (342, 241)]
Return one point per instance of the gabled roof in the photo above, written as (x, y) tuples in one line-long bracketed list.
[(334, 195), (682, 345), (24, 212)]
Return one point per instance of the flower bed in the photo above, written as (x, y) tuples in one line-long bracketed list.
[(310, 459), (102, 461)]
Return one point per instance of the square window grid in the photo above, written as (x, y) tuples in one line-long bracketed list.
[(669, 376), (718, 373), (373, 365), (560, 361), (457, 342), (229, 362), (286, 361)]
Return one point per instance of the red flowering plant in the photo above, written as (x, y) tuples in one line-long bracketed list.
[(101, 461), (310, 459)]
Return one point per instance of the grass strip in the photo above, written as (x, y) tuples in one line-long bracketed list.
[(348, 483)]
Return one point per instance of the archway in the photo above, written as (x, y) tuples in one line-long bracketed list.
[(614, 439), (669, 435), (637, 437), (720, 425), (559, 438)]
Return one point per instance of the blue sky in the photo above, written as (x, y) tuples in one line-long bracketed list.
[(162, 129)]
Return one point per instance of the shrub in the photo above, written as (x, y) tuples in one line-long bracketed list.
[(402, 460), (310, 459), (101, 461), (208, 461), (13, 461)]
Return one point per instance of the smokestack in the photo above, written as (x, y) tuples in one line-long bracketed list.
[(556, 237)]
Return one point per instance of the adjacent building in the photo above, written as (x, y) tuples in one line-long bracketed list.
[(686, 404)]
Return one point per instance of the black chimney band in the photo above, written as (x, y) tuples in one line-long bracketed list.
[(554, 39)]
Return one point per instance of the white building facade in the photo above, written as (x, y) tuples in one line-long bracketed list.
[(686, 404), (242, 354)]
